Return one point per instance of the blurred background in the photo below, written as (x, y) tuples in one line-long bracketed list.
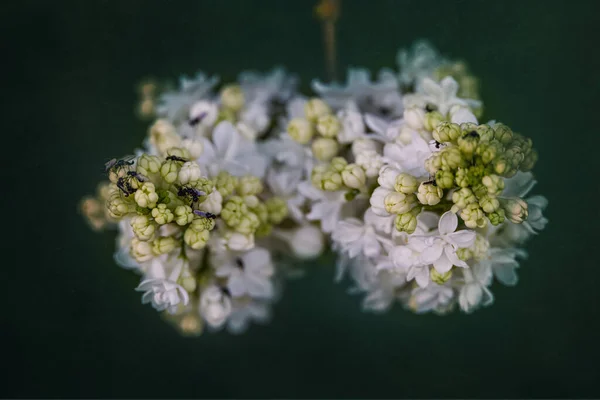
[(72, 325)]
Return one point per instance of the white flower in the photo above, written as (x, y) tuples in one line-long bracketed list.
[(254, 120), (203, 113), (175, 105), (409, 158), (503, 263), (325, 206), (383, 130), (245, 311), (213, 203), (460, 115), (475, 292), (287, 151), (407, 260), (355, 237), (284, 182), (164, 294), (249, 274), (431, 298), (440, 250), (231, 152), (263, 88), (380, 98), (370, 161), (215, 306), (417, 63), (353, 126), (442, 95), (381, 295)]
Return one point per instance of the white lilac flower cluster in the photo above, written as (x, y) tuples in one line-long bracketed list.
[(422, 202)]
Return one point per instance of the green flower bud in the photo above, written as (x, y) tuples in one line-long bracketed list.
[(163, 135), (338, 164), (251, 201), (227, 114), (529, 162), (143, 227), (497, 217), (264, 230), (328, 126), (480, 248), (162, 215), (249, 222), (479, 190), (169, 170), (331, 181), (489, 204), (141, 250), (118, 207), (262, 212), (233, 210), (503, 134), (148, 164), (432, 120), (317, 173), (446, 132), (438, 278), (249, 185), (433, 163), (515, 209), (429, 194), (183, 215), (324, 149), (488, 151), (354, 176), (468, 143), (486, 132), (163, 245), (146, 196), (300, 130), (316, 108), (462, 177), (232, 97), (406, 222), (473, 216), (203, 224), (451, 158), (494, 184), (463, 197), (464, 254), (399, 203), (278, 210), (226, 183), (406, 184), (178, 152), (196, 239), (189, 173), (501, 166), (444, 179)]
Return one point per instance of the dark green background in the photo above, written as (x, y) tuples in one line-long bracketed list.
[(72, 324)]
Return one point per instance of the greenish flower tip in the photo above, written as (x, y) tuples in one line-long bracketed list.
[(249, 185), (324, 149), (183, 215), (277, 209), (300, 130), (233, 211), (338, 164), (354, 176), (473, 216), (328, 126), (446, 132), (444, 179), (147, 164), (406, 183), (232, 97), (248, 223), (438, 278), (452, 158), (406, 222), (146, 196), (178, 152), (399, 203), (463, 197), (331, 181), (196, 239), (169, 170), (316, 108), (143, 227), (468, 143), (162, 215), (432, 120), (202, 224), (141, 250), (163, 245), (494, 184), (516, 210), (497, 217), (429, 193)]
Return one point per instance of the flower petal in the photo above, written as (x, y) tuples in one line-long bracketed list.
[(442, 264), (462, 238), (448, 223)]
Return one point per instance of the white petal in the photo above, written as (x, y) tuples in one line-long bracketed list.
[(432, 253), (226, 139), (448, 223), (442, 264), (462, 238)]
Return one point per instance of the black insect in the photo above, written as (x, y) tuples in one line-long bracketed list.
[(430, 107), (205, 214), (176, 158), (190, 192), (473, 134), (115, 164), (138, 176), (437, 144), (196, 120), (239, 262), (430, 182), (125, 186)]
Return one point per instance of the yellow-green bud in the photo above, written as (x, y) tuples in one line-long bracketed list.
[(446, 132), (226, 183), (178, 152), (354, 176), (163, 135), (463, 197), (148, 164), (143, 227), (429, 193), (324, 149), (331, 181), (183, 215), (203, 224), (529, 162), (480, 248), (300, 130), (406, 183), (479, 190), (497, 217), (493, 183), (444, 179), (338, 164), (196, 239), (406, 222), (438, 278), (451, 158), (169, 170), (464, 254), (162, 215), (488, 151), (262, 212), (146, 195), (432, 120), (277, 209), (141, 250), (248, 223), (251, 201), (473, 216), (119, 207), (468, 143), (399, 203), (462, 177), (232, 97), (328, 126), (233, 210), (163, 245), (503, 134), (249, 185), (189, 173), (316, 108), (433, 163), (515, 209), (489, 204), (486, 132)]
